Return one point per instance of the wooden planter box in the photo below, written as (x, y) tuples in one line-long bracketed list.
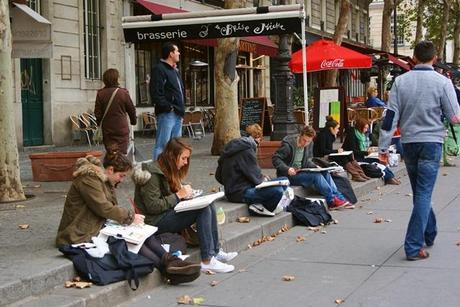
[(57, 166), (265, 153)]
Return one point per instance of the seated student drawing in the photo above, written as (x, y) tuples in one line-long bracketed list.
[(323, 146), (159, 188), (355, 140), (295, 153), (239, 172), (91, 200)]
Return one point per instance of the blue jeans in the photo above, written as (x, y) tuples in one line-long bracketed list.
[(321, 182), (206, 224), (268, 197), (169, 125), (422, 164)]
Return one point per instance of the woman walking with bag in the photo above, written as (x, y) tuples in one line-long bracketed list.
[(112, 105)]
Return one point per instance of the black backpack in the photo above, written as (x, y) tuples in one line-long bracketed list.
[(119, 265), (309, 212), (372, 170)]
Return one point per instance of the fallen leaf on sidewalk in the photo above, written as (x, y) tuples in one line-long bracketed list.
[(339, 301), (444, 174), (185, 300), (288, 278), (23, 226), (378, 220), (211, 174), (82, 284), (20, 206), (213, 283), (243, 219), (209, 272), (300, 239), (77, 283), (370, 212)]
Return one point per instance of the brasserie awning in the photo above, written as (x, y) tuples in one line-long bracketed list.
[(256, 44)]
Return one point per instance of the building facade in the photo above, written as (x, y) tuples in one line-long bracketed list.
[(58, 75)]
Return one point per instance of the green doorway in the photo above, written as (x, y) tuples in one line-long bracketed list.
[(32, 101)]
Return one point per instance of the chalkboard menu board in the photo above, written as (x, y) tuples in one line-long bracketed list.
[(252, 112)]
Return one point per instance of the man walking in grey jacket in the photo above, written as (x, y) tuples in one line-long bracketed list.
[(419, 100)]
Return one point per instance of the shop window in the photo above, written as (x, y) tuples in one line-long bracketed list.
[(34, 5), (92, 39), (195, 77), (143, 68)]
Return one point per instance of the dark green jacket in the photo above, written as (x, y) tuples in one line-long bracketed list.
[(153, 197)]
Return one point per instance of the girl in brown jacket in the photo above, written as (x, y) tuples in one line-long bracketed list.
[(115, 127), (91, 200)]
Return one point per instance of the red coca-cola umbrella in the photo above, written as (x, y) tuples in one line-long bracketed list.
[(325, 54)]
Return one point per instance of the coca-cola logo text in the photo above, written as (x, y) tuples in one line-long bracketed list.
[(337, 63)]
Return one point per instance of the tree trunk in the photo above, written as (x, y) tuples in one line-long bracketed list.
[(10, 181), (444, 23), (388, 6), (456, 57), (419, 29), (340, 30), (226, 122)]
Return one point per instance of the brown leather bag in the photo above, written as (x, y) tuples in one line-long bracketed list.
[(190, 235)]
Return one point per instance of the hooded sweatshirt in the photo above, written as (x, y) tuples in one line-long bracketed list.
[(237, 168)]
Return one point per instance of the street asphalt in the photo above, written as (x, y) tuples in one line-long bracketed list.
[(356, 262)]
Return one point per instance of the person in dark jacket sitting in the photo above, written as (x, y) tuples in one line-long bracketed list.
[(295, 153), (325, 139), (355, 140), (239, 172)]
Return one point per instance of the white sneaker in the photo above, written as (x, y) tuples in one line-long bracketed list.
[(225, 257), (216, 266), (260, 210)]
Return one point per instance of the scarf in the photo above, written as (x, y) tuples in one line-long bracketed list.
[(361, 140)]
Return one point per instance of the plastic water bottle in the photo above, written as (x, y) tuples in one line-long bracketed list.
[(220, 215)]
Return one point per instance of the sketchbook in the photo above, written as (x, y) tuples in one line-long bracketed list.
[(330, 169), (343, 153), (134, 235), (272, 183), (198, 202)]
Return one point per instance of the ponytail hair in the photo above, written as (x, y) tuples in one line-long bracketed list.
[(331, 122), (115, 158), (168, 163)]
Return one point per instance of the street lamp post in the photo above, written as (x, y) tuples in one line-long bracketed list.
[(283, 82)]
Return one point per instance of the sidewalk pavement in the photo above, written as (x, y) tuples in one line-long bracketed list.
[(356, 262), (352, 245)]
